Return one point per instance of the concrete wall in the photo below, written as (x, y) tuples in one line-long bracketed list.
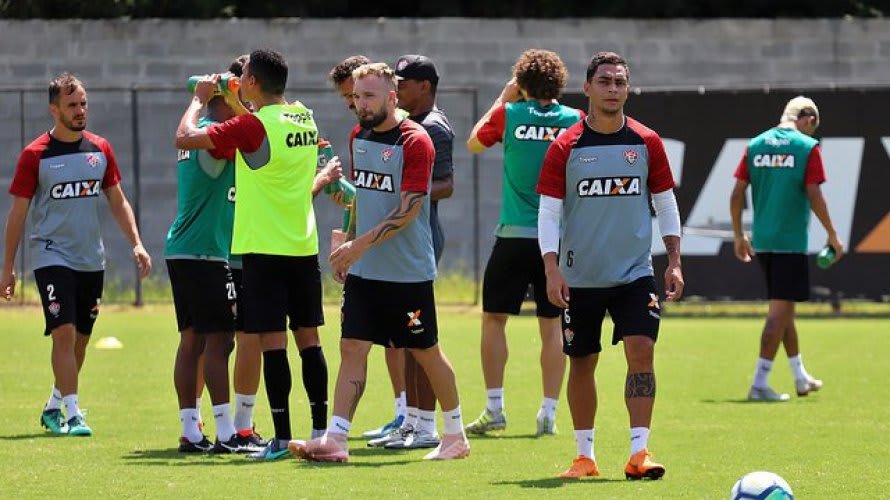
[(470, 53)]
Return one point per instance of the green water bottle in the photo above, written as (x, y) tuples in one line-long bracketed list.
[(228, 83), (826, 257)]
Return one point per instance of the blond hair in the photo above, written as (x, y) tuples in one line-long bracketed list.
[(381, 70), (797, 107)]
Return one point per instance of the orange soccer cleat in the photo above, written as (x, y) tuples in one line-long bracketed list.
[(581, 467), (641, 465)]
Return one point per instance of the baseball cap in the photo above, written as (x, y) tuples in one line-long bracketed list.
[(416, 67), (798, 106)]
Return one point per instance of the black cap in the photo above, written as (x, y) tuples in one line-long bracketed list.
[(415, 67)]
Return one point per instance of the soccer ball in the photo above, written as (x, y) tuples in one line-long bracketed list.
[(761, 485)]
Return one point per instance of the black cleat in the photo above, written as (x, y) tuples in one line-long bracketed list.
[(202, 446)]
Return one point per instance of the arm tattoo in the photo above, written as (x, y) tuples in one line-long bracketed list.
[(672, 244), (398, 219), (359, 389), (640, 385)]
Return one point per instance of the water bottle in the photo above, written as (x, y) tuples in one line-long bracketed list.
[(825, 257), (228, 83)]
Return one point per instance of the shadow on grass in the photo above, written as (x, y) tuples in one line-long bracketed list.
[(553, 482), (172, 456), (495, 437), (746, 401), (35, 435)]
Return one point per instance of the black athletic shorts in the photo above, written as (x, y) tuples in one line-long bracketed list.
[(513, 265), (204, 295), (238, 279), (390, 314), (279, 287), (69, 296), (634, 309), (787, 276)]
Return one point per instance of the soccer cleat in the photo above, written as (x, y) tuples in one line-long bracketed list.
[(641, 465), (331, 447), (235, 444), (394, 435), (546, 426), (253, 438), (384, 429), (488, 421), (186, 446), (766, 394), (77, 426), (581, 467), (807, 385), (451, 447), (415, 440), (273, 451), (317, 433), (53, 421)]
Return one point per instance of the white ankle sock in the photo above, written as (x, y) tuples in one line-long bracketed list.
[(55, 400), (222, 415), (495, 399), (401, 407), (339, 425), (426, 421), (452, 421), (71, 408), (244, 411), (797, 369), (639, 439), (189, 419), (413, 413), (584, 440), (548, 408), (761, 374)]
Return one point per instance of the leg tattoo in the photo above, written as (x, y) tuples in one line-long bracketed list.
[(640, 385)]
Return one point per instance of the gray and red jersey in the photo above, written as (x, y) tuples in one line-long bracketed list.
[(64, 181), (384, 164), (605, 181)]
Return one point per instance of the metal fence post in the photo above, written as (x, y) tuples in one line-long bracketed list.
[(476, 207), (137, 184)]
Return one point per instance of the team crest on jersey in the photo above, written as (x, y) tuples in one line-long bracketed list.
[(630, 156), (387, 154), (54, 308), (372, 180), (76, 189), (93, 159), (608, 186)]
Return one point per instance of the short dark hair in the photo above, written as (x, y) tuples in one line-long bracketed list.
[(343, 71), (237, 66), (541, 73), (270, 70), (601, 58), (66, 82)]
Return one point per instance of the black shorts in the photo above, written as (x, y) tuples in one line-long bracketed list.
[(787, 276), (634, 309), (279, 287), (238, 279), (514, 264), (204, 295), (390, 314), (69, 296)]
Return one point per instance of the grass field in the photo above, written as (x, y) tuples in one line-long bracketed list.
[(829, 445)]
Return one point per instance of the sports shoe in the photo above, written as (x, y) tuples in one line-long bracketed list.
[(385, 428), (488, 421), (546, 426), (331, 447), (251, 436), (273, 451), (415, 440), (766, 394), (186, 446), (807, 385), (53, 421), (77, 426), (399, 434), (641, 465), (581, 467), (235, 444), (451, 447)]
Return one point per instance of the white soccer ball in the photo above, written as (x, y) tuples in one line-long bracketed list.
[(761, 485)]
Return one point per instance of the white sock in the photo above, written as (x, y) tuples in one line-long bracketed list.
[(761, 375), (189, 419), (453, 422), (71, 408), (797, 369), (413, 413), (426, 421), (495, 399), (222, 415), (55, 400), (198, 404), (401, 407), (244, 411), (584, 440), (339, 425), (639, 439), (548, 408)]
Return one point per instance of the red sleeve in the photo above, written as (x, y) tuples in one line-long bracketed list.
[(660, 177), (222, 153), (815, 173), (245, 133), (492, 131), (352, 135), (27, 174), (112, 171), (741, 172), (552, 180), (418, 154)]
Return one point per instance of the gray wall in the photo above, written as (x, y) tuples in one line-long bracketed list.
[(470, 53)]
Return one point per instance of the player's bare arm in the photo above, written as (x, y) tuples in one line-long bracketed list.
[(15, 228), (557, 289), (442, 188), (741, 244), (331, 172), (673, 275), (188, 135), (820, 209), (123, 214), (510, 93)]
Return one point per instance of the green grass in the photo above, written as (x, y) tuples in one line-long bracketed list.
[(829, 445)]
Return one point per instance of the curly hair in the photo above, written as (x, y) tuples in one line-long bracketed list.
[(541, 74), (601, 58), (343, 71)]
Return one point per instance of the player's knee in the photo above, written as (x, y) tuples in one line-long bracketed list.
[(352, 348)]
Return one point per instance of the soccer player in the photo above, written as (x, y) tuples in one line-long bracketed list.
[(62, 172), (595, 233), (784, 167), (526, 118), (274, 231), (388, 293)]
